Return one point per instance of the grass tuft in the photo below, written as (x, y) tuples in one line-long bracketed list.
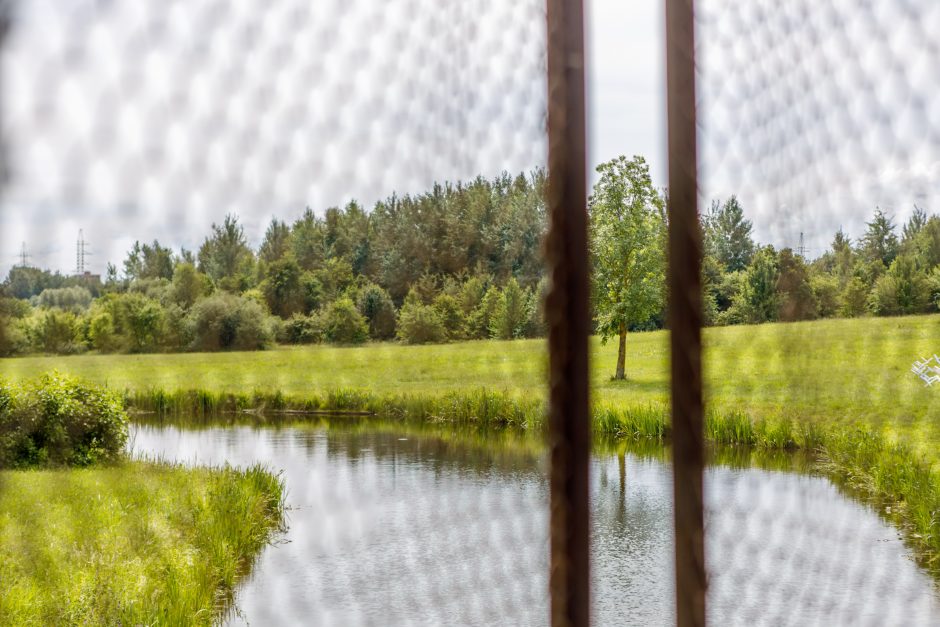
[(138, 543)]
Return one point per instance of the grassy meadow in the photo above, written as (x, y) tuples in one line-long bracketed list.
[(841, 389), (137, 543), (834, 371)]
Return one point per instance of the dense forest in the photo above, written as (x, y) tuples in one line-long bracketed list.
[(461, 261)]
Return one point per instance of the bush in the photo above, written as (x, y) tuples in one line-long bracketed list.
[(102, 333), (225, 321), (143, 320), (448, 309), (512, 313), (535, 325), (854, 298), (59, 420), (376, 305), (342, 323), (301, 329), (12, 339), (420, 324), (189, 285), (904, 289), (68, 298), (479, 321), (175, 335), (55, 331), (826, 291), (283, 288)]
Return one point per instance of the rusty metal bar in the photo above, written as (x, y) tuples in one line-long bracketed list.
[(685, 314), (568, 316)]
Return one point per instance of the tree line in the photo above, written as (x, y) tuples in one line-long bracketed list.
[(461, 261)]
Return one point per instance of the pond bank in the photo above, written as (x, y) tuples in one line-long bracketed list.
[(428, 524), (885, 472)]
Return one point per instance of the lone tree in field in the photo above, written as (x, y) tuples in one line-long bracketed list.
[(628, 229)]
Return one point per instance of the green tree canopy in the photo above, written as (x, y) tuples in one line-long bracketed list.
[(758, 300), (880, 242), (796, 298), (276, 243), (728, 235), (149, 261), (627, 233), (225, 255)]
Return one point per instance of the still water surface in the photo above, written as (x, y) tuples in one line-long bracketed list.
[(393, 529)]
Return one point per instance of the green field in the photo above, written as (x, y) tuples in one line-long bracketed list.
[(843, 371), (841, 389), (139, 543)]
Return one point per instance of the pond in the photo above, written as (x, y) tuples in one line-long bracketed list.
[(398, 528)]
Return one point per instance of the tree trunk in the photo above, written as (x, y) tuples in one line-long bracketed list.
[(622, 354)]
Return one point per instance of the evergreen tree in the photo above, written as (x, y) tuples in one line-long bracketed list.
[(225, 255), (728, 235), (914, 224), (149, 261), (276, 243), (512, 313), (794, 293), (758, 300), (376, 305), (880, 242)]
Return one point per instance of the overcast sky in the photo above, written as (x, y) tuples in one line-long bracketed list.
[(138, 120)]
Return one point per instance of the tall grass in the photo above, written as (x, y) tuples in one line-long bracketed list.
[(139, 543)]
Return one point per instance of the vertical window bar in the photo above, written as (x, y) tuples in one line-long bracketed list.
[(685, 315), (568, 316)]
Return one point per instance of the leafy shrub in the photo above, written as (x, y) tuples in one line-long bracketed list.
[(512, 313), (283, 288), (448, 309), (225, 321), (854, 298), (59, 420), (68, 298), (480, 320), (376, 305), (12, 338), (189, 285), (342, 323), (102, 333), (904, 289), (301, 329), (158, 289), (420, 324), (826, 292), (143, 320), (535, 325), (55, 331), (175, 335)]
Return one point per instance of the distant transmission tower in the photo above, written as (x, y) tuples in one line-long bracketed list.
[(80, 252), (24, 257), (801, 251)]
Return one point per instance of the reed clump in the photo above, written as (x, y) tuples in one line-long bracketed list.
[(134, 543)]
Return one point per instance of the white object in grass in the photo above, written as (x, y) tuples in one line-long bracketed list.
[(928, 370)]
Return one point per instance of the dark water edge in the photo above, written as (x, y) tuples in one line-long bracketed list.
[(439, 526)]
